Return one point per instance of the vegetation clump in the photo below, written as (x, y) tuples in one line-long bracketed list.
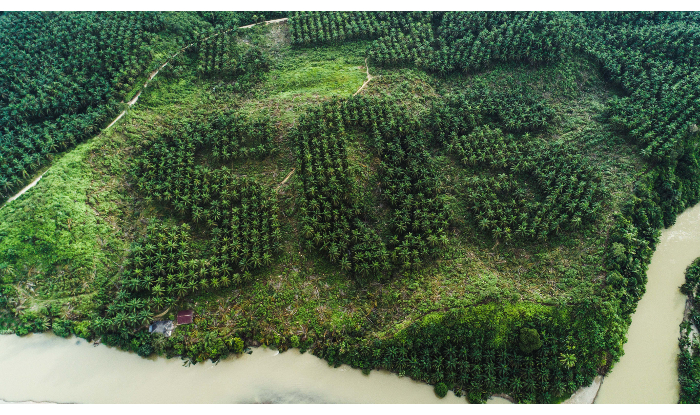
[(224, 56), (529, 340), (441, 390), (418, 222)]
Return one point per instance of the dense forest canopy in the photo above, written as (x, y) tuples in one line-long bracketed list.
[(479, 215)]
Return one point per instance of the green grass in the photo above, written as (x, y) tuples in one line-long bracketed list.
[(317, 78), (63, 234)]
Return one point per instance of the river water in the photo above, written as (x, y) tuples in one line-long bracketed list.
[(648, 371), (46, 368)]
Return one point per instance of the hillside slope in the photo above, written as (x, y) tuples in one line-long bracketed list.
[(480, 223)]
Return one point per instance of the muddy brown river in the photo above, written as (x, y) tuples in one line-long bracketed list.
[(46, 368)]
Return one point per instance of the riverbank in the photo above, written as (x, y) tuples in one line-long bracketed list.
[(689, 348), (72, 370), (648, 371), (265, 376), (586, 395)]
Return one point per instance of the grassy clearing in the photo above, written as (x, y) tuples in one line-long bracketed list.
[(66, 232)]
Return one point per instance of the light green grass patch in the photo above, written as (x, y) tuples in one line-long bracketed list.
[(334, 77), (54, 238)]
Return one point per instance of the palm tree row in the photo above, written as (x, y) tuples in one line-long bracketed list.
[(536, 189), (313, 28), (331, 217), (472, 41), (419, 221), (660, 74), (652, 56), (240, 213), (466, 41), (399, 48), (336, 221), (516, 111)]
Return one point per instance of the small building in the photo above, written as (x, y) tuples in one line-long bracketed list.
[(185, 317), (163, 327)]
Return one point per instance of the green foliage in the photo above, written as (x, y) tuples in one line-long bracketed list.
[(568, 360), (637, 52), (534, 190), (476, 398), (62, 328), (145, 349), (478, 350), (303, 76), (441, 390), (335, 220), (515, 111), (192, 27), (83, 329), (465, 41), (395, 181), (238, 345), (313, 28), (529, 340), (53, 241), (645, 58), (239, 215), (522, 187), (95, 59), (472, 41)]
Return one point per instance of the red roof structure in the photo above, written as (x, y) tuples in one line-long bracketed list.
[(185, 317)]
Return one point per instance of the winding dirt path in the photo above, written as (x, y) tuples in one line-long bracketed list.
[(136, 98), (369, 78), (267, 22)]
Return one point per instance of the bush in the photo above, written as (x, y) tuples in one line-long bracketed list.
[(160, 343), (61, 328), (83, 330), (475, 397), (238, 345), (529, 340), (614, 279), (295, 341), (441, 390), (146, 349)]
